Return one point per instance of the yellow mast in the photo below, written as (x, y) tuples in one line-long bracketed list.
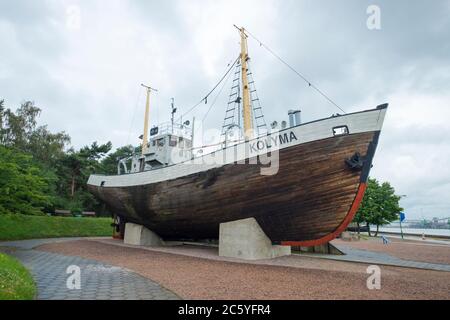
[(247, 110), (146, 116)]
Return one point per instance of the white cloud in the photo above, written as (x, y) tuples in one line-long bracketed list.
[(87, 79), (414, 151)]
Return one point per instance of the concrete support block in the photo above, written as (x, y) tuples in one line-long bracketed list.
[(326, 248), (138, 235), (349, 236), (244, 239)]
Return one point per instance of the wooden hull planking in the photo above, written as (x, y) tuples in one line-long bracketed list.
[(310, 201)]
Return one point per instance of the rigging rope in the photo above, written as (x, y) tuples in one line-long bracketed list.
[(205, 99), (212, 105), (295, 71), (217, 96), (134, 114)]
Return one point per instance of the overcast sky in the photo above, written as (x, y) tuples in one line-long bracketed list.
[(82, 63)]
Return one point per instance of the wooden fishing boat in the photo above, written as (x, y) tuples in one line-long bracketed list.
[(303, 183)]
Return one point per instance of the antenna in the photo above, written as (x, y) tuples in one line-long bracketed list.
[(149, 88), (174, 110)]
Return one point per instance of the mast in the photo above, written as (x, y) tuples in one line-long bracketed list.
[(146, 116), (247, 110)]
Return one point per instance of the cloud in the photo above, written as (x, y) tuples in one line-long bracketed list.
[(414, 151), (86, 77)]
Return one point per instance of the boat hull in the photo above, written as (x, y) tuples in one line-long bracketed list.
[(309, 201)]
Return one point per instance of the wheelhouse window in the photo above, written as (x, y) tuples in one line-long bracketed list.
[(181, 142), (173, 141)]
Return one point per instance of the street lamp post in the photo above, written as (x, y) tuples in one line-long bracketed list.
[(401, 229), (401, 214)]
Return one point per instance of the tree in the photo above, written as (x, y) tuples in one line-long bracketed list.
[(2, 120), (70, 167), (379, 206), (19, 130), (17, 127), (387, 207), (23, 186), (79, 165), (41, 155), (109, 163), (46, 147), (367, 205)]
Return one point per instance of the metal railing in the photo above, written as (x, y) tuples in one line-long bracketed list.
[(178, 129)]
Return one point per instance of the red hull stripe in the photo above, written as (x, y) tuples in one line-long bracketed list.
[(348, 218)]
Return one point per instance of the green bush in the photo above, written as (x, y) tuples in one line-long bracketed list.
[(23, 187), (19, 226)]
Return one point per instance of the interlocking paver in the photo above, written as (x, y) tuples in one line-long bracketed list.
[(365, 256), (98, 281)]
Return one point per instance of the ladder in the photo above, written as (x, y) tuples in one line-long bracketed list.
[(234, 103), (233, 114)]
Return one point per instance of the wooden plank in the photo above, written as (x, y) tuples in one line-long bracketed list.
[(308, 199)]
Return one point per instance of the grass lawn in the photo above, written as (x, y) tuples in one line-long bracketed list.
[(18, 226), (16, 282)]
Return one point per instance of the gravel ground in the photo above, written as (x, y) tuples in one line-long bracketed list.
[(408, 250), (199, 278)]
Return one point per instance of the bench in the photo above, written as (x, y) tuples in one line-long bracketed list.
[(88, 214)]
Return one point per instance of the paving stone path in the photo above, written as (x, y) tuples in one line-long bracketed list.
[(360, 255), (98, 281)]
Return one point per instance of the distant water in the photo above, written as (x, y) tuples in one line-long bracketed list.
[(428, 232)]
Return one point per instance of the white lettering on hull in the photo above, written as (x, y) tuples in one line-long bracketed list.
[(272, 141)]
